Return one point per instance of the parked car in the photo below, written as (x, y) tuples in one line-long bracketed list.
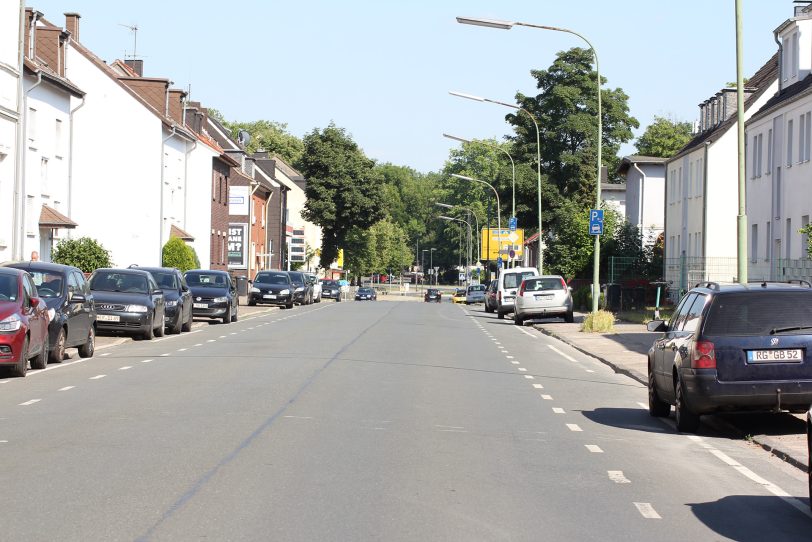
[(302, 289), (331, 289), (809, 452), (177, 298), (475, 293), (71, 307), (214, 295), (508, 284), (459, 296), (365, 293), (128, 300), (23, 323), (733, 347), (433, 294), (274, 287), (543, 297), (316, 285), (490, 296)]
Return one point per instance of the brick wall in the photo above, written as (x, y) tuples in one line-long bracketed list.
[(219, 214)]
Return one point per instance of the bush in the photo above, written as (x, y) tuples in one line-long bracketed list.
[(599, 322), (176, 253), (85, 253)]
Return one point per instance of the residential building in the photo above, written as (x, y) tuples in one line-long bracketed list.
[(613, 196), (701, 185), (645, 194), (778, 165), (12, 24)]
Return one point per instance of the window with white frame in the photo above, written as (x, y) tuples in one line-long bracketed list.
[(43, 176), (808, 147), (790, 128), (679, 183), (769, 151), (787, 60), (802, 136), (753, 169), (804, 237), (767, 242), (754, 243), (787, 244), (690, 245), (700, 176), (58, 138), (795, 55), (759, 154), (31, 122)]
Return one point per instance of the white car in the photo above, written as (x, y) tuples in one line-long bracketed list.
[(508, 285), (313, 279), (543, 297)]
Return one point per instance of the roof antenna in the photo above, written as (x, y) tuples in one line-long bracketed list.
[(134, 29)]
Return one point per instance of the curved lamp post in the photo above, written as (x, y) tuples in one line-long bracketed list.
[(507, 25), (538, 154), (498, 206), (476, 221), (470, 236)]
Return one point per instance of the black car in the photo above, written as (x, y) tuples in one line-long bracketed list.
[(433, 294), (302, 289), (733, 347), (177, 298), (331, 289), (128, 300), (214, 295), (273, 287), (70, 306), (365, 293)]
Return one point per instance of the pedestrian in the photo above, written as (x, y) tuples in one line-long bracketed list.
[(34, 256)]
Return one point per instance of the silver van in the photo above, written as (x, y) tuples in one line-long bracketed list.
[(508, 285)]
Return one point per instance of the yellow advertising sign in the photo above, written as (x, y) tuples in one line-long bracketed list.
[(509, 240), (340, 259)]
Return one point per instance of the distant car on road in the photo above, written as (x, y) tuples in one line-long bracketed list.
[(475, 293), (543, 297), (433, 294), (214, 295), (366, 294), (459, 296), (273, 287), (733, 347), (23, 323), (128, 300), (490, 296), (177, 297), (71, 307), (331, 289)]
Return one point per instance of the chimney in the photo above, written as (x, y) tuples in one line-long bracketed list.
[(72, 24), (31, 17), (176, 104), (730, 99), (702, 107), (137, 65)]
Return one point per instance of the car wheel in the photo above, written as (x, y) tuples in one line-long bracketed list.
[(252, 303), (58, 349), (569, 318), (176, 329), (227, 317), (235, 316), (187, 325), (500, 315), (656, 407), (21, 368), (160, 330), (149, 334), (687, 421), (289, 305), (518, 320), (41, 361), (86, 350)]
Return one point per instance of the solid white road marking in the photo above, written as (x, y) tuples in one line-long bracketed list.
[(562, 354), (595, 449), (525, 332), (96, 377), (573, 427), (31, 402), (647, 511), (66, 388), (538, 386), (617, 477), (547, 397), (558, 410), (125, 368), (530, 377)]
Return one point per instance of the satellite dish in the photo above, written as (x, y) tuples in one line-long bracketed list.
[(243, 137)]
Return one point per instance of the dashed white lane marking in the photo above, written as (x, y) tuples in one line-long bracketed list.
[(522, 369), (66, 388), (530, 377), (223, 336), (525, 332), (4, 381), (300, 417), (562, 354), (164, 355), (538, 386), (125, 368), (233, 333), (573, 427), (547, 397), (515, 362), (31, 402), (211, 340), (558, 410), (199, 344), (3, 442), (97, 377), (590, 371), (617, 477), (145, 360), (509, 357), (647, 511), (105, 354), (448, 426), (595, 449), (182, 349)]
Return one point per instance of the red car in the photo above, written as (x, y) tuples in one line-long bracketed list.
[(23, 323)]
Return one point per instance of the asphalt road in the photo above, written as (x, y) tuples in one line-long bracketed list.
[(369, 421)]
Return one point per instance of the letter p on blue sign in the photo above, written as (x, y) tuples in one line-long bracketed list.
[(596, 221)]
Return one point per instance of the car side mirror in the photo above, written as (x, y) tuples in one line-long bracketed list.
[(77, 298), (36, 302), (157, 291), (657, 326)]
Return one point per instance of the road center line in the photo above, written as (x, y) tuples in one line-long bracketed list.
[(573, 427), (97, 377), (547, 397), (145, 360), (594, 448), (31, 402), (125, 368), (558, 410), (538, 386), (617, 477), (66, 388), (530, 377), (646, 510)]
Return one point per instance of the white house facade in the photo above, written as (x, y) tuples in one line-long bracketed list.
[(779, 162), (645, 194)]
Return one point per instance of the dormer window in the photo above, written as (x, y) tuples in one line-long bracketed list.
[(795, 51)]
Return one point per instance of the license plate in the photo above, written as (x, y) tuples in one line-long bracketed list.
[(269, 296), (108, 318), (545, 297), (200, 305), (767, 356)]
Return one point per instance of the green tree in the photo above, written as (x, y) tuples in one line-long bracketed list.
[(270, 136), (176, 253), (85, 253), (381, 248), (343, 187), (664, 137)]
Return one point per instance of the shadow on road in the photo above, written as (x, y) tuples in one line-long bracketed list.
[(766, 423), (636, 419), (742, 518)]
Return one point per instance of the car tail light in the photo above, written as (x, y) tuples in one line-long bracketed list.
[(499, 296), (521, 288), (703, 355), (563, 284)]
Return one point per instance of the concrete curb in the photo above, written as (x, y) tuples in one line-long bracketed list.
[(764, 441)]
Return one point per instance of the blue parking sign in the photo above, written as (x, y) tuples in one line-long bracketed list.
[(596, 222)]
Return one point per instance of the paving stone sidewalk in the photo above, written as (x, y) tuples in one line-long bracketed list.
[(625, 350)]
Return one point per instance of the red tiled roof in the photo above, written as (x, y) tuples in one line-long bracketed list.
[(51, 218), (175, 231)]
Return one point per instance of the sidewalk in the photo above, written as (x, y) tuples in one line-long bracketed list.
[(626, 350)]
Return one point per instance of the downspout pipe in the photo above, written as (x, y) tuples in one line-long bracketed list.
[(161, 206), (70, 158), (640, 194), (780, 62), (20, 134), (21, 195), (705, 200)]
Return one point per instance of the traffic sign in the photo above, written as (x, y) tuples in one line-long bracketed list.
[(512, 254), (512, 223), (499, 263), (596, 222)]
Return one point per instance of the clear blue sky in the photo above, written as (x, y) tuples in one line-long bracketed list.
[(383, 69)]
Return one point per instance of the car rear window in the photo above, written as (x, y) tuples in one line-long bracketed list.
[(758, 313), (113, 281), (272, 278), (512, 280), (476, 288), (535, 285)]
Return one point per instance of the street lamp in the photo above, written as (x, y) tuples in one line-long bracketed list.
[(470, 236), (538, 154), (476, 221), (498, 207), (431, 264), (507, 25), (422, 264)]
